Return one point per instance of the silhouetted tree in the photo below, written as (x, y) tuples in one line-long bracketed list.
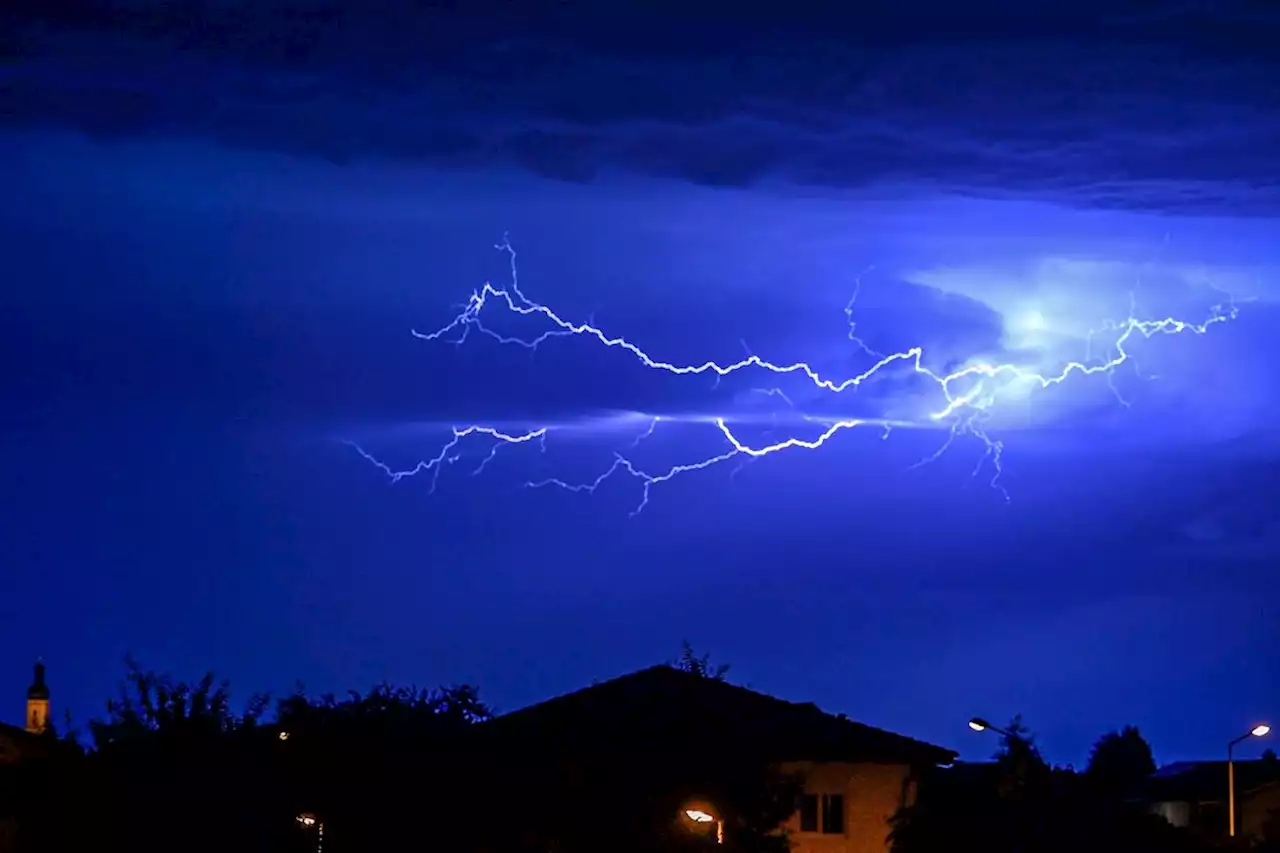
[(174, 768), (1119, 762), (1019, 804), (956, 808), (1023, 769), (154, 707), (385, 710), (700, 666), (179, 767), (383, 769)]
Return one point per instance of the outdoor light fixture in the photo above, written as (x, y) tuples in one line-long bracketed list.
[(700, 815), (309, 821), (1260, 730), (980, 725)]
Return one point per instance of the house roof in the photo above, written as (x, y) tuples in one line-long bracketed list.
[(666, 705), (1206, 781), (23, 744)]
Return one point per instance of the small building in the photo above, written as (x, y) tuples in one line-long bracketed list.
[(855, 776), (1193, 795), (20, 743)]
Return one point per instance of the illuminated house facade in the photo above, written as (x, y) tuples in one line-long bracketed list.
[(855, 776)]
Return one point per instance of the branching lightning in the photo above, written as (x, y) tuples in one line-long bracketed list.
[(967, 396), (449, 453)]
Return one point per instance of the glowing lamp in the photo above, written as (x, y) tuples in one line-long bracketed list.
[(1260, 730), (701, 817), (979, 725)]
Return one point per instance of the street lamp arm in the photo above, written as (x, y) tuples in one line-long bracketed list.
[(1260, 730)]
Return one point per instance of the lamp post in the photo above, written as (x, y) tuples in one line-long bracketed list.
[(703, 815), (309, 821), (1260, 730)]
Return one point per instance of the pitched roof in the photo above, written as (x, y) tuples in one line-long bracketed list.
[(665, 705), (1206, 781)]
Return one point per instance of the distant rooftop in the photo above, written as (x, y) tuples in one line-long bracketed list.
[(663, 704), (1206, 781)]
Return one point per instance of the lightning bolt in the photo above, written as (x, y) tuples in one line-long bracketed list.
[(968, 395), (449, 453)]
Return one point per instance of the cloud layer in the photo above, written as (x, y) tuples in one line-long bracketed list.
[(1145, 105)]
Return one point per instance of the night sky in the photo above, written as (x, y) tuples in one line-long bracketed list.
[(222, 221)]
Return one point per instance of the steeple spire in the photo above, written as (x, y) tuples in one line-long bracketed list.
[(38, 701)]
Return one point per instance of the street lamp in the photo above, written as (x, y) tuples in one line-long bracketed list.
[(980, 725), (1260, 730), (702, 815), (309, 821)]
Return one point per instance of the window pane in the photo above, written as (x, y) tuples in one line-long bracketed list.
[(808, 812), (833, 814)]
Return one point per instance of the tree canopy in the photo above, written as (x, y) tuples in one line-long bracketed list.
[(186, 765), (1018, 803), (1120, 760), (155, 705), (701, 666)]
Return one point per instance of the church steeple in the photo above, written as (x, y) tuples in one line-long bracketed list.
[(38, 702)]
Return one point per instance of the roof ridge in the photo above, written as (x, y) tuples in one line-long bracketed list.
[(767, 709)]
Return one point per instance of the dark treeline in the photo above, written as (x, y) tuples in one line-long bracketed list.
[(1019, 803), (179, 766)]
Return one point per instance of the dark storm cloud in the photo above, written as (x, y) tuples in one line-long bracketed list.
[(1161, 105)]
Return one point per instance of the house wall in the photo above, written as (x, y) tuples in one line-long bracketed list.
[(1177, 813), (1210, 818), (873, 793), (1256, 809)]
